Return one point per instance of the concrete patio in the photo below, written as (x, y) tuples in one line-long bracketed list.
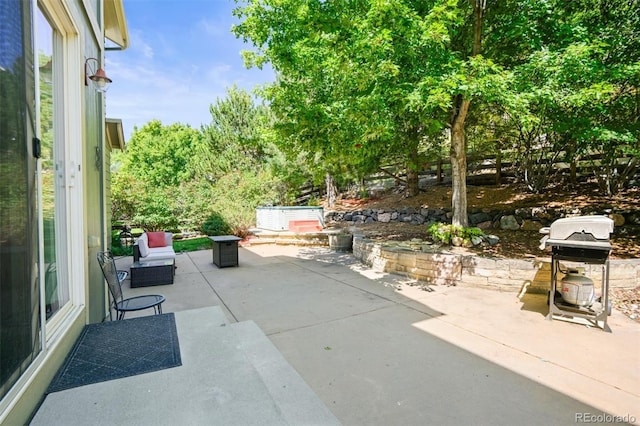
[(303, 335)]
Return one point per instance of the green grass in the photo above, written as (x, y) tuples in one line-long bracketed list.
[(193, 244)]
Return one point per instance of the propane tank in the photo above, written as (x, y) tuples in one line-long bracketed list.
[(577, 289)]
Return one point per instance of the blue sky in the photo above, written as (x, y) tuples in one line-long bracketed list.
[(181, 58)]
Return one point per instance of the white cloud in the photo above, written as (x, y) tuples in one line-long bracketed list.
[(173, 78), (139, 45), (219, 74), (214, 28)]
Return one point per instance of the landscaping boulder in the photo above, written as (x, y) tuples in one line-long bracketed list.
[(509, 223), (384, 217), (531, 225)]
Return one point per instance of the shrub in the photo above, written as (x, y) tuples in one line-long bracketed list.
[(215, 225), (447, 233), (154, 210), (117, 246), (192, 206), (237, 195)]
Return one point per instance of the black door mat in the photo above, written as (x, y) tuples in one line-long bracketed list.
[(117, 349)]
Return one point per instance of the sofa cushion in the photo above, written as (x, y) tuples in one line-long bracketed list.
[(156, 239), (161, 253), (143, 245)]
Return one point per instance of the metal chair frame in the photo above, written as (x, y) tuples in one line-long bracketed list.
[(118, 302)]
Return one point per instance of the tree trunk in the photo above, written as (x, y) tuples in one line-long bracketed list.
[(458, 139), (499, 166), (458, 155), (413, 164), (332, 191), (573, 175), (413, 188)]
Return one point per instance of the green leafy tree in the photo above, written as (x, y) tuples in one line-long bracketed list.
[(390, 75), (152, 176), (233, 140), (236, 196), (577, 91), (345, 72), (240, 138), (385, 76), (160, 155), (177, 178), (241, 163)]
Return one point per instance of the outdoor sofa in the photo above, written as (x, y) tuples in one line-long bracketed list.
[(154, 246)]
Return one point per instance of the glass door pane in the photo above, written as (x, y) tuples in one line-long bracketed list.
[(19, 296), (51, 165)]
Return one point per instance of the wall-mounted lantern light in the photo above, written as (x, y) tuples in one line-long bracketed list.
[(99, 77)]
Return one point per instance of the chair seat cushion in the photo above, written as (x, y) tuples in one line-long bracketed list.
[(158, 253)]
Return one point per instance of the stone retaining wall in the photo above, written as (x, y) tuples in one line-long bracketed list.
[(528, 219), (448, 268)]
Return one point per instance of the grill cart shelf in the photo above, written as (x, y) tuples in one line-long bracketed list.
[(581, 239), (596, 313)]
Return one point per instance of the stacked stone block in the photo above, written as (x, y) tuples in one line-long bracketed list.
[(534, 275)]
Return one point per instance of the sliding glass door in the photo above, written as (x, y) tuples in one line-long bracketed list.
[(36, 178), (19, 281)]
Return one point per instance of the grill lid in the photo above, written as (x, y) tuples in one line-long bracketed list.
[(580, 227), (579, 231)]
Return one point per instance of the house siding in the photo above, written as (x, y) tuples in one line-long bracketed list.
[(93, 195)]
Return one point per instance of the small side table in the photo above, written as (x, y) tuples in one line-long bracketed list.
[(225, 250), (152, 272)]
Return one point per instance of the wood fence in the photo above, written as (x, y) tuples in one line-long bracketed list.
[(481, 170)]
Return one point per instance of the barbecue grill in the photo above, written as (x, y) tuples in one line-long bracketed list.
[(580, 239)]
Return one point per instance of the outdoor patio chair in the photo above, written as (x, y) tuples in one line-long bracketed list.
[(118, 302)]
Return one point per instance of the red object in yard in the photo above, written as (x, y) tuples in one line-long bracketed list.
[(305, 226)]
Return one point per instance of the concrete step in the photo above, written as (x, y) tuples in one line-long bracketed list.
[(231, 374), (217, 316), (296, 400), (261, 236)]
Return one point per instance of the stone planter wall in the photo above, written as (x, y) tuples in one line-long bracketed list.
[(475, 271), (531, 218)]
